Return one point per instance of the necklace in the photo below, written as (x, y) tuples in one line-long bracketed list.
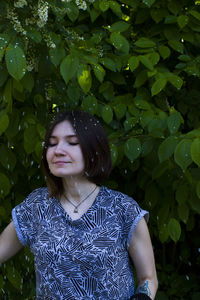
[(76, 206)]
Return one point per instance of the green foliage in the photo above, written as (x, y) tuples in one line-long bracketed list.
[(136, 66)]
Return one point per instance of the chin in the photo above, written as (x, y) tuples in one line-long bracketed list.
[(66, 175)]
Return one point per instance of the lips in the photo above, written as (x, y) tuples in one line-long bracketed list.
[(61, 162)]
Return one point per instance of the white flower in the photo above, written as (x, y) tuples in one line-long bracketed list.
[(81, 4), (20, 3), (12, 16), (42, 13)]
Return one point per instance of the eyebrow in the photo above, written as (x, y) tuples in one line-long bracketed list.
[(67, 136)]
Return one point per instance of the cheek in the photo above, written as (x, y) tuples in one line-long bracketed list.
[(48, 155)]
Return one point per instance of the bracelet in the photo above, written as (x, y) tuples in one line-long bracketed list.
[(140, 296)]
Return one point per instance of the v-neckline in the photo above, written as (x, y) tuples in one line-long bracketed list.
[(85, 213)]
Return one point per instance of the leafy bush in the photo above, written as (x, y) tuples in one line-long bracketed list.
[(135, 65)]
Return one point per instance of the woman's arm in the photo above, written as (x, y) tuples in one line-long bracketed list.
[(9, 243), (141, 252)]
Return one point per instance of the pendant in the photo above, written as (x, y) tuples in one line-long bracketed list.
[(75, 210)]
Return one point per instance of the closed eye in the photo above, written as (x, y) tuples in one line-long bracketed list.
[(74, 144)]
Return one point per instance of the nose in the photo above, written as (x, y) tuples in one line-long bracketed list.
[(59, 149)]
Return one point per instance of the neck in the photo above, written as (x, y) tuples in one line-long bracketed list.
[(77, 189)]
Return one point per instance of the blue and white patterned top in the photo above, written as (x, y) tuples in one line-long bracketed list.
[(80, 259)]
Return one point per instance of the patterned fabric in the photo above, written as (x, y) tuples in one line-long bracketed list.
[(80, 259)]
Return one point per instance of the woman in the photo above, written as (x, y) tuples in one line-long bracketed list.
[(85, 238)]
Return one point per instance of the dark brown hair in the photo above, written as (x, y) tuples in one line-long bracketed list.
[(94, 145)]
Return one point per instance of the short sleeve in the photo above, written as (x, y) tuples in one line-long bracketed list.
[(133, 214), (23, 218)]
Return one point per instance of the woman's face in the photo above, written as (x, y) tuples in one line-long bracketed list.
[(64, 155)]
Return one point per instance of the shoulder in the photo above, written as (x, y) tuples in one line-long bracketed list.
[(119, 198), (38, 195)]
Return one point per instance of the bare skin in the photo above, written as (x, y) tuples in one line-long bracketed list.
[(9, 243), (141, 252)]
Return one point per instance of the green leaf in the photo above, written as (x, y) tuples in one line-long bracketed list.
[(173, 122), (147, 146), (99, 72), (140, 79), (142, 104), (120, 26), (107, 114), (116, 8), (182, 193), (185, 58), (195, 14), (146, 117), (183, 212), (145, 43), (38, 150), (28, 81), (193, 133), (104, 5), (154, 58), (57, 54), (198, 189), (146, 62), (176, 45), (30, 139), (158, 86), (132, 149), (120, 110), (164, 51), (94, 14), (182, 154), (119, 42), (84, 78), (15, 61), (73, 92), (166, 148), (3, 75), (69, 67), (133, 62), (114, 153), (5, 185), (90, 104), (129, 123), (13, 128), (163, 236), (174, 229), (195, 151), (170, 19), (182, 21), (14, 277), (158, 14), (156, 127), (148, 3), (4, 122), (7, 96), (195, 203), (41, 130), (174, 7), (72, 11), (109, 63), (4, 40), (175, 80), (106, 88)]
